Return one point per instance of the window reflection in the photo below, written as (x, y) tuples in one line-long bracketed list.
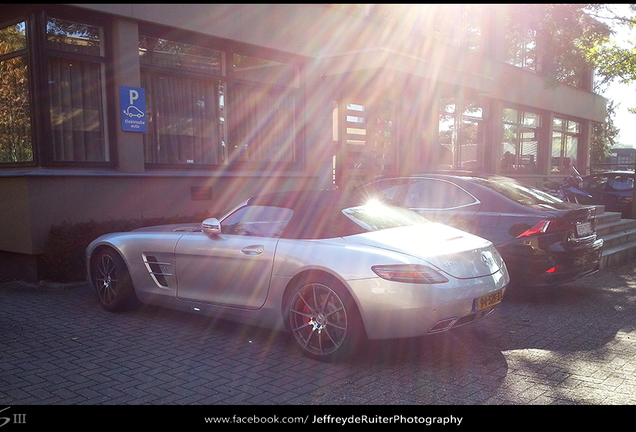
[(265, 71), (461, 133), (258, 221), (12, 38), (167, 53), (15, 118), (565, 139), (74, 37), (520, 141)]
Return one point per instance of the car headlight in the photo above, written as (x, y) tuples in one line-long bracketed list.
[(409, 273)]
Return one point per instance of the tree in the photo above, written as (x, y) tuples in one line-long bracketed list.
[(587, 36), (604, 137), (614, 59), (565, 35)]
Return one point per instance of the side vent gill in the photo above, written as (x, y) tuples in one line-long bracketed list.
[(158, 270)]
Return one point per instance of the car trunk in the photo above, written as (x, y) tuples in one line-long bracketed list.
[(577, 224), (454, 252)]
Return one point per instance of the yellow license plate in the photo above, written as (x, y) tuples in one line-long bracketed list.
[(488, 300)]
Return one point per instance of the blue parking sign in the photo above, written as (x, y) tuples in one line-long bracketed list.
[(132, 104)]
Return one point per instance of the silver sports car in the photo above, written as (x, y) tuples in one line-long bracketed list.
[(328, 266)]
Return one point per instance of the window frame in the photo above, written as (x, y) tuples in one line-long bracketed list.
[(462, 115), (26, 53), (153, 126), (250, 212), (45, 151), (428, 184), (521, 46), (233, 161), (228, 82), (565, 136), (517, 161)]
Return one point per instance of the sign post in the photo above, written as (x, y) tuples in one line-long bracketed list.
[(132, 104)]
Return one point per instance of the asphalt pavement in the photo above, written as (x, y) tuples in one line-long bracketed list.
[(573, 344)]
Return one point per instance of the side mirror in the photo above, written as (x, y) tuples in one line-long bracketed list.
[(211, 227)]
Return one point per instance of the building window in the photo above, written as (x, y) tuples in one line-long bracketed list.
[(185, 120), (184, 101), (520, 141), (625, 158), (262, 111), (262, 125), (15, 119), (176, 55), (458, 24), (461, 133), (565, 139), (521, 47), (211, 107), (367, 132), (76, 91)]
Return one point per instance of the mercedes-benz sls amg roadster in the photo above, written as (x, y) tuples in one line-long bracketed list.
[(328, 266)]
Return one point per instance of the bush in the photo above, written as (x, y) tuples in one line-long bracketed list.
[(63, 259)]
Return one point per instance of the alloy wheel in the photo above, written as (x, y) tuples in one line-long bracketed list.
[(106, 279), (318, 319)]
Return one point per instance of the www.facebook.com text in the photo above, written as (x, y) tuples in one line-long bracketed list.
[(337, 420)]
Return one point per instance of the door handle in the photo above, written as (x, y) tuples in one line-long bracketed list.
[(253, 250)]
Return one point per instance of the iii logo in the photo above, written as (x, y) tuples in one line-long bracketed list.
[(15, 418)]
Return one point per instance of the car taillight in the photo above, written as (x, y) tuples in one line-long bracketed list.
[(556, 269), (538, 228), (546, 226), (409, 273)]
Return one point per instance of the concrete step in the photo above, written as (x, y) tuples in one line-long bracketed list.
[(603, 217), (619, 237), (616, 256), (613, 228)]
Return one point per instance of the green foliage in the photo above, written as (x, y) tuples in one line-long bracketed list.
[(614, 57), (63, 259), (565, 33), (604, 137)]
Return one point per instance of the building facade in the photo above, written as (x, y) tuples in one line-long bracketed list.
[(111, 111)]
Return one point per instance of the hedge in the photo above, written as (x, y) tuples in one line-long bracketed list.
[(63, 259)]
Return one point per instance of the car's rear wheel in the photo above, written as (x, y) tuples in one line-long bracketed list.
[(324, 320), (112, 281)]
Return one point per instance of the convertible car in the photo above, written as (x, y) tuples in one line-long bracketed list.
[(326, 265)]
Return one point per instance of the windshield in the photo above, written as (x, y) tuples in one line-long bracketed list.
[(517, 192), (376, 215)]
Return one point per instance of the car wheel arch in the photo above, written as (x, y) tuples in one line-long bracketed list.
[(332, 331), (94, 253), (128, 297), (315, 275)]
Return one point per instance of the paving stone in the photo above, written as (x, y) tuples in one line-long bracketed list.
[(568, 345)]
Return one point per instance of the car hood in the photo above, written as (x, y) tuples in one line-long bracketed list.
[(452, 251)]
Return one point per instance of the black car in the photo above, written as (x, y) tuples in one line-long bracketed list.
[(613, 189), (543, 240)]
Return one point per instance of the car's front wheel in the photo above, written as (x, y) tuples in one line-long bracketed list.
[(112, 282), (324, 320)]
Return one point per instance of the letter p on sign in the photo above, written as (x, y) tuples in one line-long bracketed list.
[(134, 95)]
